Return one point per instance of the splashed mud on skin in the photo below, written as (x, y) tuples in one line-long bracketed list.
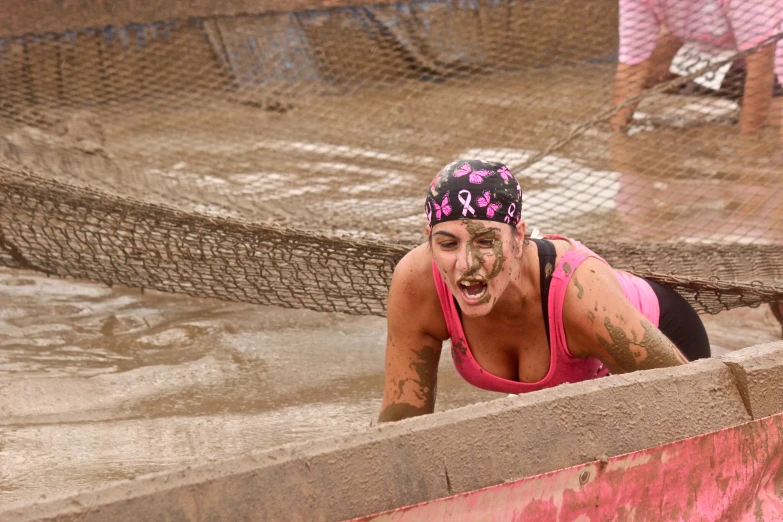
[(579, 287), (654, 350), (459, 348), (401, 387), (426, 368), (423, 387), (619, 347), (661, 350), (476, 228), (401, 410)]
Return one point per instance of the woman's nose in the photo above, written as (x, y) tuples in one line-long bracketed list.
[(464, 259)]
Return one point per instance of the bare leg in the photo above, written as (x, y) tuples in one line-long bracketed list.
[(758, 91), (630, 80), (628, 83)]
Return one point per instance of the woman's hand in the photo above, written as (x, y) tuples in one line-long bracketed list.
[(416, 330), (600, 322)]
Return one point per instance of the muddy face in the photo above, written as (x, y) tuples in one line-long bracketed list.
[(475, 259)]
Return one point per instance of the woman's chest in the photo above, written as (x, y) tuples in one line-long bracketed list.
[(517, 351)]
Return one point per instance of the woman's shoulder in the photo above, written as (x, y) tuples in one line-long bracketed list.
[(413, 280), (413, 288), (576, 251), (564, 245), (415, 266)]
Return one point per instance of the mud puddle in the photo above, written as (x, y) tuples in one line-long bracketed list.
[(102, 384)]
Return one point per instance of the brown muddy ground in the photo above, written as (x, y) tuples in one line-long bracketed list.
[(100, 384)]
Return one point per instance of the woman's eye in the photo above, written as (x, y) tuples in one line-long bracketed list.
[(448, 244), (486, 243)]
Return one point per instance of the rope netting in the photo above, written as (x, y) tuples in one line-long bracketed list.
[(281, 157)]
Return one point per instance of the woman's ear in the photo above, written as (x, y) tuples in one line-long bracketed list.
[(519, 237), (521, 228), (428, 230)]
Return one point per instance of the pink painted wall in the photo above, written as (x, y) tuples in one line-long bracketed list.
[(734, 474)]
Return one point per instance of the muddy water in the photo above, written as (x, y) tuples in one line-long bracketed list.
[(100, 384)]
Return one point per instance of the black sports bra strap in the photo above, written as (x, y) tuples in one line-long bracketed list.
[(547, 260)]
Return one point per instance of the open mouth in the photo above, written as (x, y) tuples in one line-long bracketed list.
[(472, 290)]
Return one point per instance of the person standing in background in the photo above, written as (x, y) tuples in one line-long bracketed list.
[(652, 32)]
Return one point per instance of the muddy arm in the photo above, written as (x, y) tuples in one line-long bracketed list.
[(600, 322), (412, 352)]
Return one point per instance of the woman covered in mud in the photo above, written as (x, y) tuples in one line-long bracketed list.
[(522, 313)]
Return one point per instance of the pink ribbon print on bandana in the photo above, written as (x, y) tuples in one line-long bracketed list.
[(484, 190)]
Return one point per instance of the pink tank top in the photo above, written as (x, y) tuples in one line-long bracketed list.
[(563, 367)]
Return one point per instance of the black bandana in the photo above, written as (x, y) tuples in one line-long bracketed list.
[(474, 189)]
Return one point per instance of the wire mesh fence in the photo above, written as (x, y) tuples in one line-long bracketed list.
[(281, 157)]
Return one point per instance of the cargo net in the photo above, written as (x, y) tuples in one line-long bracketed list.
[(282, 157)]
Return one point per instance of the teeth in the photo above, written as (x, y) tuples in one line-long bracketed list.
[(467, 284)]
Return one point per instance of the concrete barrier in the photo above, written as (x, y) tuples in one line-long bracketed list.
[(425, 458), (759, 374), (731, 474)]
